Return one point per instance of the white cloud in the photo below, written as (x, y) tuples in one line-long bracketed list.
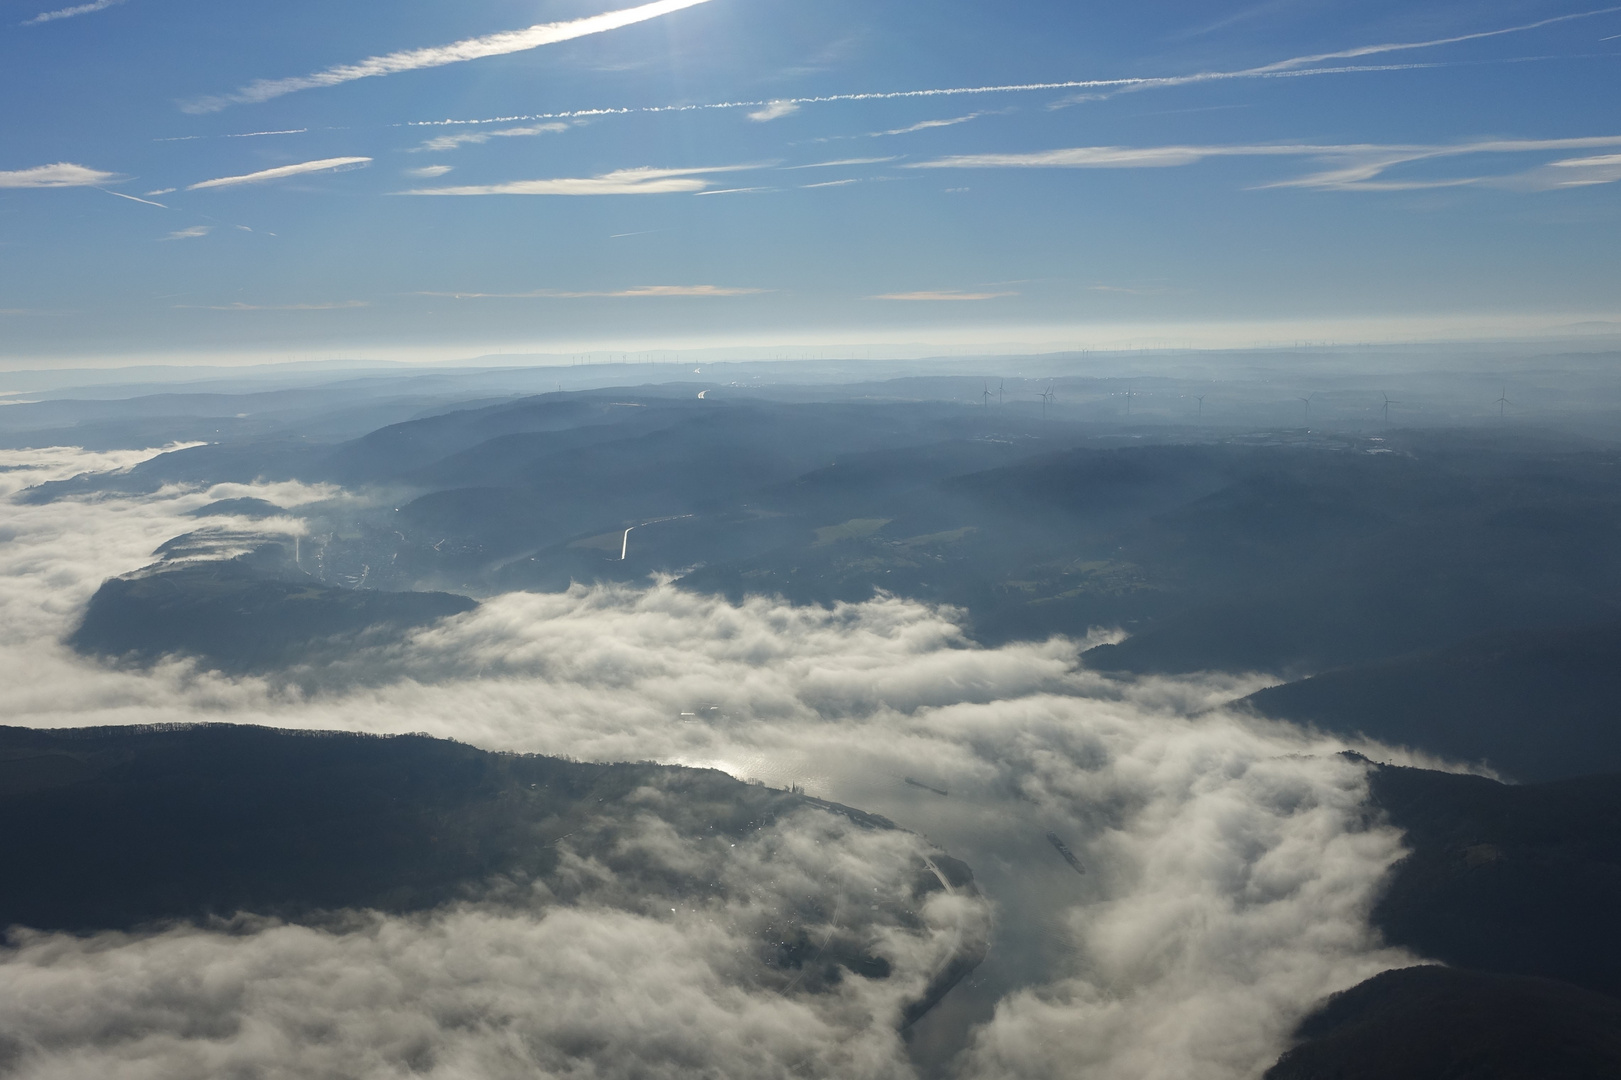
[(1571, 172), (1300, 66), (942, 295), (1229, 865), (70, 12), (638, 181), (428, 172), (160, 191), (451, 142), (774, 110), (191, 233), (1604, 161), (1360, 168), (62, 174), (469, 49), (1118, 157), (281, 171), (841, 162), (1353, 167)]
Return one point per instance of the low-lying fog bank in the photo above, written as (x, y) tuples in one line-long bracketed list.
[(1175, 884)]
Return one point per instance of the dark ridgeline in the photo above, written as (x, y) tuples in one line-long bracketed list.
[(248, 614), (1519, 889), (120, 828), (247, 507), (1427, 1023), (113, 828), (1517, 879), (1533, 704)]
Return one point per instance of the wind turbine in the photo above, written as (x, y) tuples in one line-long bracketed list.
[(999, 384), (1200, 400), (1307, 400), (1386, 407), (1502, 404), (1046, 397), (1128, 400), (986, 397)]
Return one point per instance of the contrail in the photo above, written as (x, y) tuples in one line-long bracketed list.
[(1143, 82), (131, 198), (1281, 69), (1370, 50), (281, 171), (501, 44)]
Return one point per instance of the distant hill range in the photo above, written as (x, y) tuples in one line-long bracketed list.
[(1369, 566), (1288, 552)]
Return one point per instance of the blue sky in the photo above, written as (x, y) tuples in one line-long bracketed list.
[(181, 179)]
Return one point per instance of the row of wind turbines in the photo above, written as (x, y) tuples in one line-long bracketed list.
[(1047, 396), (1502, 404)]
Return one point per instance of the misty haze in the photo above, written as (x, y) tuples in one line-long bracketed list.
[(740, 539)]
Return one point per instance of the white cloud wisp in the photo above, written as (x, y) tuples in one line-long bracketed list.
[(475, 138), (282, 171), (637, 181), (1353, 167), (773, 110), (501, 44), (71, 12), (1457, 39), (62, 174)]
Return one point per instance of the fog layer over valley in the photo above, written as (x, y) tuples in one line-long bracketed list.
[(1228, 865), (978, 738)]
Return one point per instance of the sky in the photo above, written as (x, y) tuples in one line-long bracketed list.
[(432, 181)]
